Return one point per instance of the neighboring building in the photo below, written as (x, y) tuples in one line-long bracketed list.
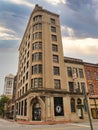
[(44, 89), (91, 71), (8, 85), (76, 80)]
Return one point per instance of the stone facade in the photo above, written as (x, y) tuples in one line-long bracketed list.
[(43, 84)]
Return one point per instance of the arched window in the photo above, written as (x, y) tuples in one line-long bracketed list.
[(72, 103), (79, 101)]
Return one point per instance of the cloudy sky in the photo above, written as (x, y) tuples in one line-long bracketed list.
[(79, 26)]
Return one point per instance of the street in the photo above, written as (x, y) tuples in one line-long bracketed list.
[(7, 125)]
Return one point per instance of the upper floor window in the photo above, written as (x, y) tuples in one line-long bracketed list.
[(52, 21), (56, 71), (53, 29), (36, 83), (91, 87), (54, 38), (55, 58), (96, 75), (37, 27), (37, 45), (36, 69), (69, 71), (37, 56), (57, 84), (71, 86), (81, 73), (88, 74), (54, 48), (37, 18), (37, 35)]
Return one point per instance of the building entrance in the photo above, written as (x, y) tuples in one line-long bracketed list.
[(36, 112)]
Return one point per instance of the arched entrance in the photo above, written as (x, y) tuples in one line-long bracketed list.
[(80, 108), (36, 112)]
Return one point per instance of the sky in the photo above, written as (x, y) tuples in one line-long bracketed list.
[(79, 28)]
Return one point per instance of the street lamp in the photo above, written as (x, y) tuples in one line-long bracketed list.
[(88, 111)]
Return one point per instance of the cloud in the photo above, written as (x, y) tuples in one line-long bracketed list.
[(7, 34), (56, 2), (21, 2), (81, 48)]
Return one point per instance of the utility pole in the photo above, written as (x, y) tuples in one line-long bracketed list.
[(88, 111)]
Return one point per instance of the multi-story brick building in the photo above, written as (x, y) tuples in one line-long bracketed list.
[(91, 72), (44, 92)]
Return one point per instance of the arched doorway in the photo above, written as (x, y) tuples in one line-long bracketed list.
[(80, 108), (36, 112)]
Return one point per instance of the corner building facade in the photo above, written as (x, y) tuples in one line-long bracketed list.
[(42, 92)]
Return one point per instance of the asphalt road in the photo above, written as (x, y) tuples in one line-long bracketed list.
[(7, 125)]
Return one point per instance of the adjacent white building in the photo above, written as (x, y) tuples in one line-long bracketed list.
[(8, 85)]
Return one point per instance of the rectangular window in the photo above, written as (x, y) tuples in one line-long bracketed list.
[(71, 86), (69, 71), (57, 84), (88, 74), (53, 29), (37, 26), (54, 48), (96, 75), (91, 88), (25, 107), (81, 73), (37, 35), (37, 18), (55, 58), (56, 70), (52, 21), (36, 69), (37, 46), (37, 56), (26, 75), (36, 83), (54, 38)]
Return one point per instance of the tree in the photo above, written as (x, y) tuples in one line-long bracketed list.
[(3, 100)]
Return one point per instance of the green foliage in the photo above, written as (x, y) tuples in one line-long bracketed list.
[(3, 100)]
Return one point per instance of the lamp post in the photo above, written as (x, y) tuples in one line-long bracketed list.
[(88, 111)]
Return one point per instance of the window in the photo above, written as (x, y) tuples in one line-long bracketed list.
[(26, 75), (53, 29), (75, 73), (36, 69), (72, 103), (85, 107), (54, 48), (37, 56), (69, 71), (55, 58), (37, 18), (81, 73), (22, 108), (56, 71), (25, 107), (37, 27), (57, 84), (37, 35), (91, 87), (52, 21), (96, 75), (36, 83), (54, 38), (37, 46), (71, 86), (27, 64), (26, 87), (88, 74)]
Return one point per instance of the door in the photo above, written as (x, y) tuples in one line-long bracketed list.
[(36, 112)]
